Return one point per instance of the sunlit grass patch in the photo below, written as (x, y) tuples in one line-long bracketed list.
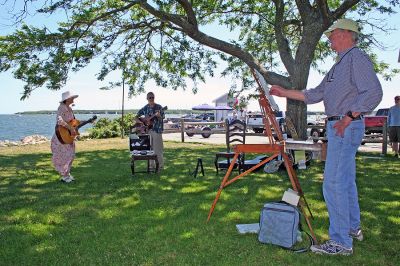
[(108, 217)]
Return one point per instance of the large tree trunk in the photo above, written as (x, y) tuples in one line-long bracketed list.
[(299, 71), (297, 112)]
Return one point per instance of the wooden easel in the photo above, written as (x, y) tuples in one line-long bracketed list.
[(275, 147)]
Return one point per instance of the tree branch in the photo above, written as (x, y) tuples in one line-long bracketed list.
[(304, 8), (343, 8), (238, 11), (189, 11), (106, 14), (92, 21), (217, 44), (324, 10), (283, 44)]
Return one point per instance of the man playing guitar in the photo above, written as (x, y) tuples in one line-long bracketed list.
[(153, 118)]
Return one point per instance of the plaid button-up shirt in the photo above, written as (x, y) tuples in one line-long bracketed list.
[(350, 85), (147, 110)]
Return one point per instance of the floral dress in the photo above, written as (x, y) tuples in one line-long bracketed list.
[(63, 154)]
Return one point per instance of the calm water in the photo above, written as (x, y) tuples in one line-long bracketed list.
[(16, 127)]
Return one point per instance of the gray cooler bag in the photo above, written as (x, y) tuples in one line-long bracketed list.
[(279, 223)]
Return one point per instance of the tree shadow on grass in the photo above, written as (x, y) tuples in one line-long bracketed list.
[(109, 217)]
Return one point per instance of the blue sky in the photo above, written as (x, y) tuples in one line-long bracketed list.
[(86, 85)]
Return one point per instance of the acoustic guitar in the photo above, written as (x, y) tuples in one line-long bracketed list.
[(65, 136), (149, 120)]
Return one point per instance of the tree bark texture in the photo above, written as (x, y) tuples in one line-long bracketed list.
[(297, 112)]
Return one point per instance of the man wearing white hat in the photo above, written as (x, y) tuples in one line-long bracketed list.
[(64, 154), (350, 89)]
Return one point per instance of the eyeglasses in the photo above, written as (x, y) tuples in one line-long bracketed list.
[(397, 99), (149, 98), (330, 77)]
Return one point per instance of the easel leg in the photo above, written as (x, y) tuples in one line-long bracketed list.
[(308, 207), (225, 182), (201, 166), (296, 186), (196, 170), (308, 223), (221, 187)]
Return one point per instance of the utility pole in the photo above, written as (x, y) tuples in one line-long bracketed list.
[(123, 98), (398, 60)]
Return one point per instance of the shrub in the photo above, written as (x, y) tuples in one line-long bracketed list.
[(107, 128)]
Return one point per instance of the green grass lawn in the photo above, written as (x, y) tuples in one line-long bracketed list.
[(107, 217)]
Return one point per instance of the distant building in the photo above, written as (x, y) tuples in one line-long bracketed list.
[(221, 115)]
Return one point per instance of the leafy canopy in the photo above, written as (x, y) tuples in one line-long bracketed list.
[(165, 40)]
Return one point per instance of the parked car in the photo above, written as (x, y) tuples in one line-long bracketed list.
[(371, 121), (377, 120), (206, 116)]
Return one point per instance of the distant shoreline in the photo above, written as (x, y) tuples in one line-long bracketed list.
[(50, 112), (119, 112)]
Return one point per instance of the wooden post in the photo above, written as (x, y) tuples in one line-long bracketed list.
[(182, 130), (123, 100), (226, 125), (384, 133), (324, 147)]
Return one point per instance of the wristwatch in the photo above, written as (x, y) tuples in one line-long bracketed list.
[(350, 114)]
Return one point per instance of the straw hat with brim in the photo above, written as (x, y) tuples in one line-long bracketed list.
[(67, 95), (344, 24)]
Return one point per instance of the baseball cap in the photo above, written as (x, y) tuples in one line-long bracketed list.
[(344, 24)]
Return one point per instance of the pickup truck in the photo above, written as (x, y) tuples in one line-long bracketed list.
[(255, 121), (378, 120)]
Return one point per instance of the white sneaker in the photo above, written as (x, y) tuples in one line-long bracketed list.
[(71, 177), (66, 179)]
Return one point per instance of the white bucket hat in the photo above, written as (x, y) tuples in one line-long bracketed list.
[(67, 95), (344, 24)]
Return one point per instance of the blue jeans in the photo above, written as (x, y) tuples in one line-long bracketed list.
[(339, 187)]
